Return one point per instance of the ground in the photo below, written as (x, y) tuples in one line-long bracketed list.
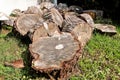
[(100, 59)]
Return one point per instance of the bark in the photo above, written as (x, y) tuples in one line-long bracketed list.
[(71, 20), (44, 32), (106, 28)]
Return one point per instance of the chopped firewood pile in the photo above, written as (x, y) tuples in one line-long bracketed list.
[(58, 36)]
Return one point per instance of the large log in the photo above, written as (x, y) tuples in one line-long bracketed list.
[(60, 52), (34, 10), (56, 16), (88, 19), (44, 32), (71, 20), (28, 22), (83, 32)]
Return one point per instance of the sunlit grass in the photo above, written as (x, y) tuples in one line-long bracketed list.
[(100, 59)]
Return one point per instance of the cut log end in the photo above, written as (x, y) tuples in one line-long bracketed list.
[(59, 49)]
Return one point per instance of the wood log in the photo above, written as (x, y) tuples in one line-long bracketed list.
[(34, 10), (58, 53), (71, 20), (56, 16), (88, 19), (106, 28), (83, 32), (28, 22), (43, 32)]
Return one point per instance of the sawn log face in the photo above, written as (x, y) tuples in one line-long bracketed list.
[(50, 53)]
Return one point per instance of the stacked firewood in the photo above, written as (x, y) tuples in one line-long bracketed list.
[(58, 37)]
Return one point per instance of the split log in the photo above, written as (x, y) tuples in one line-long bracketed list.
[(28, 22), (43, 32), (106, 28), (88, 19), (71, 20), (56, 16), (16, 64), (83, 32), (34, 10), (60, 52)]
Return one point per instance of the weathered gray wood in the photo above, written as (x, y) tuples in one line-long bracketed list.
[(56, 16), (71, 20), (59, 52), (43, 32), (106, 28), (28, 22), (88, 19), (34, 10), (83, 32)]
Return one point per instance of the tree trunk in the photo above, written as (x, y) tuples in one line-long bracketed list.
[(28, 22), (59, 52)]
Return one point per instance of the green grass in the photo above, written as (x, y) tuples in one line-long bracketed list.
[(100, 59)]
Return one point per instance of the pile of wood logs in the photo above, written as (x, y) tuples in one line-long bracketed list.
[(58, 37)]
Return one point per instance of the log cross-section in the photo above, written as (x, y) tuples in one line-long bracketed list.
[(50, 53)]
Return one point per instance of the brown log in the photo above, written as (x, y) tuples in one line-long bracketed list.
[(16, 64), (34, 10), (83, 32), (71, 20), (28, 22), (56, 16), (43, 32), (106, 28), (88, 19), (11, 21), (60, 52)]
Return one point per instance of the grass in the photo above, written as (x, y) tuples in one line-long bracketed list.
[(100, 59)]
